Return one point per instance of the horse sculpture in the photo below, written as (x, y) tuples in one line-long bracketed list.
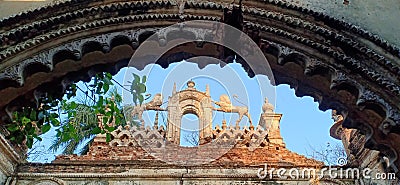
[(226, 106), (154, 104)]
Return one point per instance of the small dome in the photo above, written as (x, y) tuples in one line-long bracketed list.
[(191, 84)]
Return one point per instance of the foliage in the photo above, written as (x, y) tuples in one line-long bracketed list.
[(329, 154), (100, 110), (75, 130), (138, 89), (30, 122)]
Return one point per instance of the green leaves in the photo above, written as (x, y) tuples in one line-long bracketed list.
[(46, 128), (138, 88), (108, 137), (100, 115), (73, 105), (96, 130), (13, 127), (141, 99), (29, 122), (33, 115), (136, 78), (99, 87), (144, 79), (100, 102), (100, 97), (102, 83), (29, 141), (25, 120), (106, 87)]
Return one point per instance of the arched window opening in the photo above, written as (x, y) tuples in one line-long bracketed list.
[(189, 131)]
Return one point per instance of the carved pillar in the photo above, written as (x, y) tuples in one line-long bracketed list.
[(174, 118), (206, 122), (9, 160), (270, 121)]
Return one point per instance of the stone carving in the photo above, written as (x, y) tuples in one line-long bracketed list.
[(149, 138), (244, 138), (336, 117), (154, 104), (199, 104), (226, 106), (313, 65), (13, 73), (122, 136), (267, 107)]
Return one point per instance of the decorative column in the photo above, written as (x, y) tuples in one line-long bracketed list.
[(206, 124), (174, 117), (270, 121), (9, 159), (155, 127)]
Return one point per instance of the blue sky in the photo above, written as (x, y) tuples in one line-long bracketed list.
[(303, 125)]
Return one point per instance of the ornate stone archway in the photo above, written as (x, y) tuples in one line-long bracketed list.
[(342, 66), (189, 101)]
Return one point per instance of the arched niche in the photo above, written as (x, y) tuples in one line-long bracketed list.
[(189, 101), (189, 132)]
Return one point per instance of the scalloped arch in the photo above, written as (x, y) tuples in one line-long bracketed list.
[(92, 46), (346, 86), (374, 106), (120, 40), (283, 31), (35, 67), (296, 58), (143, 35), (5, 82), (63, 55)]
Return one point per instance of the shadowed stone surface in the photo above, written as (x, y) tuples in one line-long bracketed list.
[(377, 16)]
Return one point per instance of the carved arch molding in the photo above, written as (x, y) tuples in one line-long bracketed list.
[(341, 65)]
